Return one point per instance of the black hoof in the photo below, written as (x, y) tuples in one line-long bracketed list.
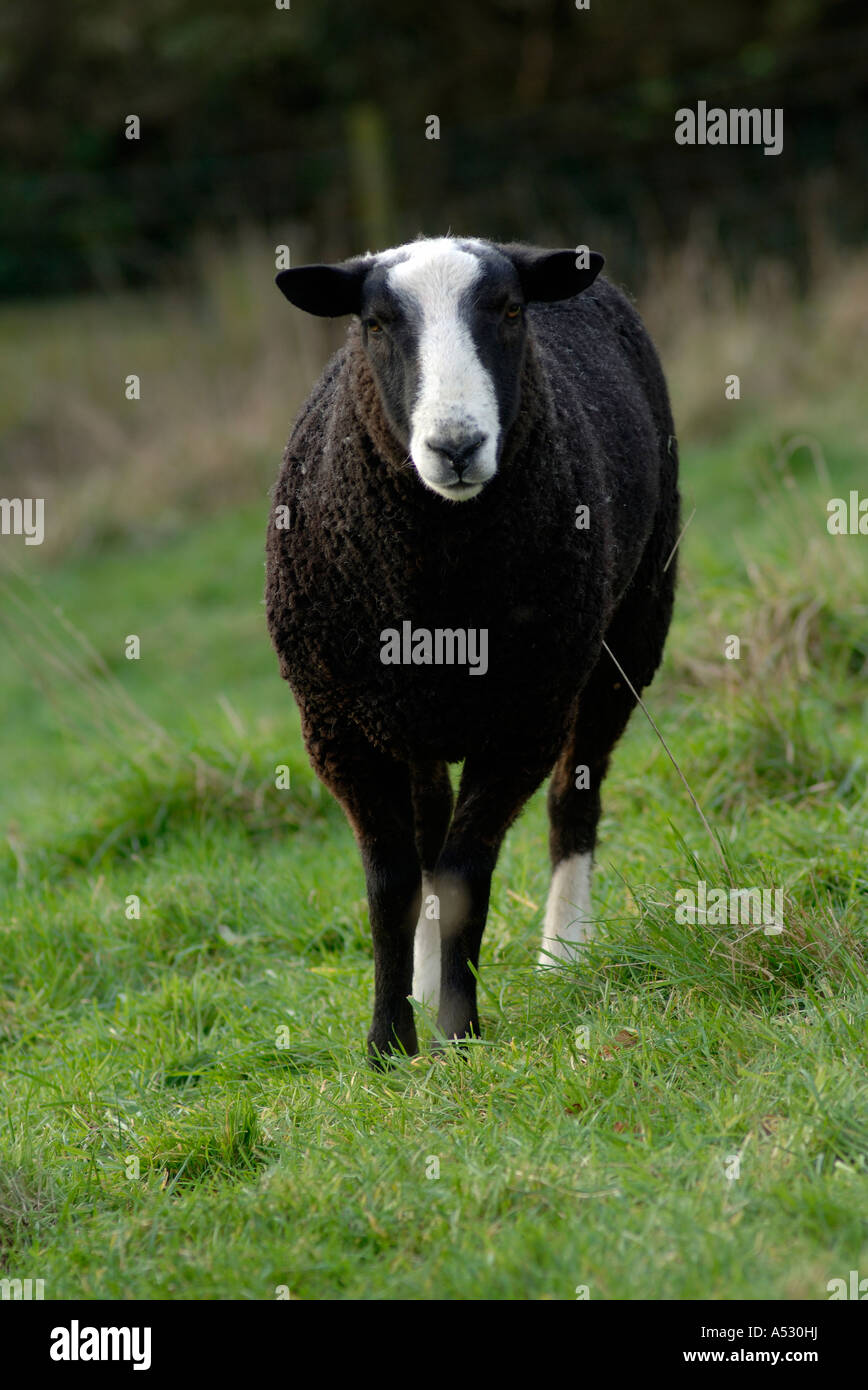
[(458, 1023), (383, 1052)]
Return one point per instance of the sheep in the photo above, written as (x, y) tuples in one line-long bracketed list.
[(491, 451)]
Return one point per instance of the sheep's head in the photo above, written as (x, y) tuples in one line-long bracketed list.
[(443, 325)]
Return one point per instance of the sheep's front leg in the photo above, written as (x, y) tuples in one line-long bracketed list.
[(375, 793), (492, 794), (394, 893)]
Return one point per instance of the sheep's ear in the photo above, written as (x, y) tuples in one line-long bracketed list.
[(548, 275), (326, 290)]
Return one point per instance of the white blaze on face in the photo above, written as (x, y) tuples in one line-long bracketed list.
[(456, 399)]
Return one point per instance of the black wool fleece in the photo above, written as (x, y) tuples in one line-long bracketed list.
[(367, 546)]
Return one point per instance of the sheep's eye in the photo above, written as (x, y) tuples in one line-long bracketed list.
[(513, 311), (373, 326)]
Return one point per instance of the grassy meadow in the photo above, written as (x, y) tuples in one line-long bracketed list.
[(185, 963)]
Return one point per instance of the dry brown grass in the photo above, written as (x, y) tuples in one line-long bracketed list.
[(795, 621), (793, 353), (224, 370)]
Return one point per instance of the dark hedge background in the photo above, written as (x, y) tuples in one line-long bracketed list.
[(554, 122)]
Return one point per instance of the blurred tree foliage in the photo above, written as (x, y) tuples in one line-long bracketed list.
[(554, 122)]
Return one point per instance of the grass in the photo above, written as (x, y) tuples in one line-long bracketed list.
[(186, 968)]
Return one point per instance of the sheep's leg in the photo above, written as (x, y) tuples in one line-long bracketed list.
[(569, 919), (426, 947), (432, 804), (605, 704), (393, 883), (375, 794), (492, 794)]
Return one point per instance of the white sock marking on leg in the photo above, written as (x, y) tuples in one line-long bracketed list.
[(568, 920), (426, 951)]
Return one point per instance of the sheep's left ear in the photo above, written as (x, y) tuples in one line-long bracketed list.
[(326, 290), (548, 275)]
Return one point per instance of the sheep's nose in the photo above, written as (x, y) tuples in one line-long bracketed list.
[(457, 449)]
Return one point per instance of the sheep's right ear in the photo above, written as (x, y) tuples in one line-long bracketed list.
[(326, 290)]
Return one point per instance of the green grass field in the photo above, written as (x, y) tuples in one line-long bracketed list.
[(186, 1109)]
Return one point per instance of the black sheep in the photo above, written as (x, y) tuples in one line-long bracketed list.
[(515, 383)]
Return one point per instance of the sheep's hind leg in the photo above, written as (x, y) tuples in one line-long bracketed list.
[(636, 637), (605, 705), (569, 920)]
